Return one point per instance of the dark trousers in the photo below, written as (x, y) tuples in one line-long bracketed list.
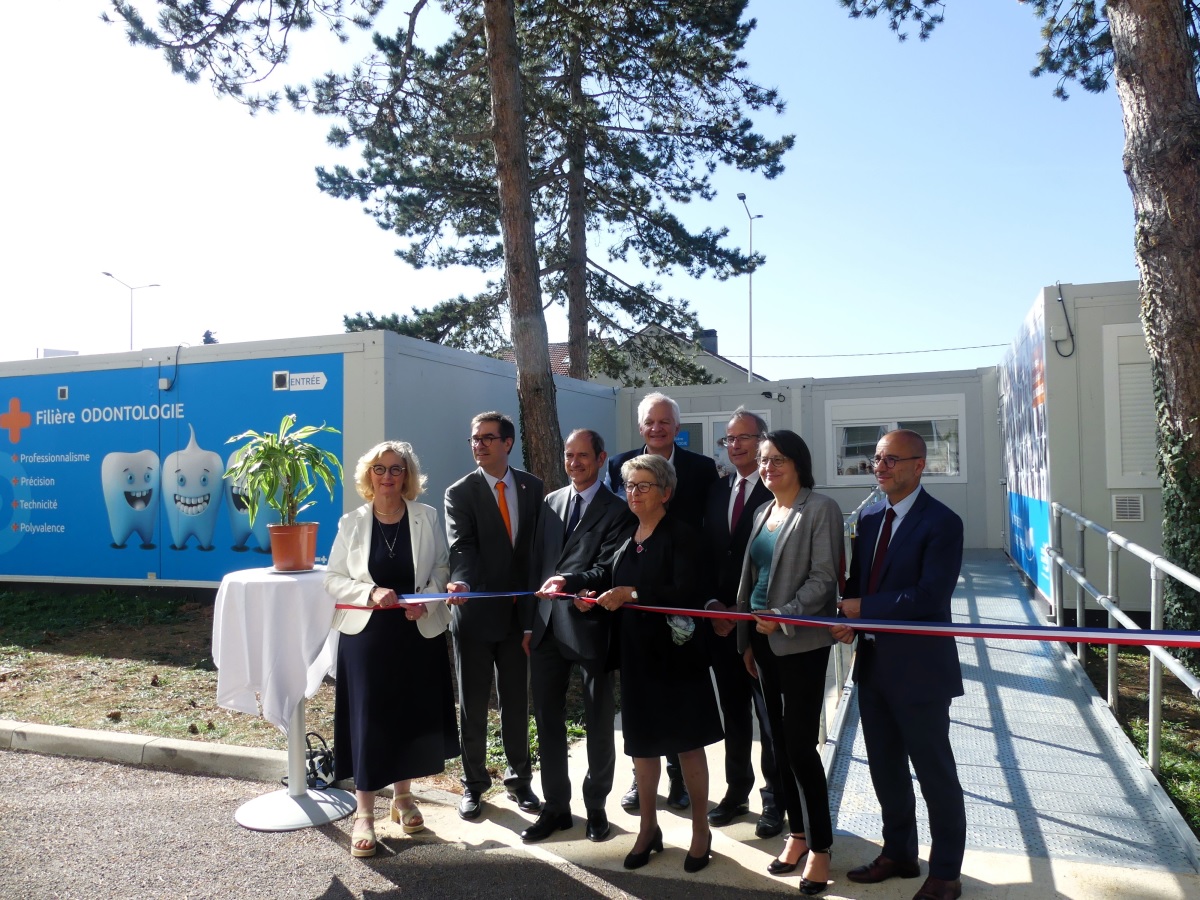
[(550, 666), (476, 662), (739, 694), (920, 732), (794, 690)]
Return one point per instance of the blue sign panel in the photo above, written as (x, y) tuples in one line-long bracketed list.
[(108, 477)]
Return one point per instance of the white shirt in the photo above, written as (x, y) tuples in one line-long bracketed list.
[(751, 483), (588, 495)]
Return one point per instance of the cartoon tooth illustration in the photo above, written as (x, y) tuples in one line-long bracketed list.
[(131, 483), (192, 493), (239, 517)]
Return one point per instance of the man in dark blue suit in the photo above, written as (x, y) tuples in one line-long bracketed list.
[(728, 519), (658, 424), (580, 529), (491, 517), (905, 565)]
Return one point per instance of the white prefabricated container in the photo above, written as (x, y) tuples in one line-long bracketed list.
[(113, 464)]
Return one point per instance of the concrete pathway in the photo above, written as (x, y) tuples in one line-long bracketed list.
[(1058, 803)]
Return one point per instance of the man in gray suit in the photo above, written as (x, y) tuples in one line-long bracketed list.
[(491, 517), (581, 527)]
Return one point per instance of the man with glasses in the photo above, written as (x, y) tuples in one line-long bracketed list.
[(580, 530), (491, 517), (728, 517), (905, 565), (658, 424)]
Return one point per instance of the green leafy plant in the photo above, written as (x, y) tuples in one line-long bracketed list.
[(283, 468)]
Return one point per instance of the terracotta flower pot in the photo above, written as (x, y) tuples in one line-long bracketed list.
[(293, 547)]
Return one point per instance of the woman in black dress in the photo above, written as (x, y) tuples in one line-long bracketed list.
[(667, 699), (394, 713)]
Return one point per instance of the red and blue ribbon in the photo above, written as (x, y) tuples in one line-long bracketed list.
[(1061, 633)]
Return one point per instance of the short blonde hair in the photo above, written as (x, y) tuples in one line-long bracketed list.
[(414, 481), (663, 471)]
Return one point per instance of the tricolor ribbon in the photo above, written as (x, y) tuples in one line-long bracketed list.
[(1063, 633)]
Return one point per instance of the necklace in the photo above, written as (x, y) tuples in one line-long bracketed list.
[(391, 545), (638, 548)]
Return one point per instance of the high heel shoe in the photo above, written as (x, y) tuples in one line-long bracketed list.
[(812, 888), (411, 819), (696, 863), (780, 866), (637, 860), (365, 834)]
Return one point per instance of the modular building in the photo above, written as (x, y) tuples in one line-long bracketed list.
[(1077, 413), (114, 463)]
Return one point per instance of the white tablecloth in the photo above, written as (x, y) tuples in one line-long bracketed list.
[(272, 643)]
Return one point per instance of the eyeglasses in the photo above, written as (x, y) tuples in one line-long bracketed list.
[(388, 470), (889, 462), (483, 439), (739, 439), (641, 487), (774, 462)]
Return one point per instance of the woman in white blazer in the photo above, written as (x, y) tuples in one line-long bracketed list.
[(394, 712), (790, 568)]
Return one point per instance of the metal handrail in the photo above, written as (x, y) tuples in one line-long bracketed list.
[(1160, 569)]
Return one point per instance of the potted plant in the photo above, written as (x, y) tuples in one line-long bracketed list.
[(282, 470)]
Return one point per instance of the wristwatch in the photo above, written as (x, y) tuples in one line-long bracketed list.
[(633, 596)]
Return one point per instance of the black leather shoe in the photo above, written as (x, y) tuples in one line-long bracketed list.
[(881, 869), (939, 889), (470, 806), (525, 798), (677, 796), (637, 860), (546, 824), (770, 823), (696, 863), (597, 825), (780, 866), (631, 801), (812, 888), (726, 811)]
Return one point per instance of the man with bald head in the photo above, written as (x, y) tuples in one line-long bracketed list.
[(579, 531), (905, 565)]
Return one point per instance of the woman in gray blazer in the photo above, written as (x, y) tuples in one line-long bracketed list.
[(790, 568), (394, 710)]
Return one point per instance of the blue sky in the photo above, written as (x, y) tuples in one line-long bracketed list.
[(934, 189)]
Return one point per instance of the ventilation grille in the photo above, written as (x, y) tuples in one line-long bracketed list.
[(1127, 508)]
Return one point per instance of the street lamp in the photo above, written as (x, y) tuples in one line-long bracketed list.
[(138, 288), (750, 295)]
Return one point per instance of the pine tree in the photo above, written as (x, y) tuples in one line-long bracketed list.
[(633, 105)]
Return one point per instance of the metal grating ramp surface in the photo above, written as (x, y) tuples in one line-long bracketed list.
[(1046, 770)]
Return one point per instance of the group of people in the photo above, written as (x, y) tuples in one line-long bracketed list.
[(600, 576)]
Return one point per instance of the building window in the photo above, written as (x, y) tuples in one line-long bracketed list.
[(854, 427)]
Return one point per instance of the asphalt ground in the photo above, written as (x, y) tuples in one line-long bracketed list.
[(75, 827)]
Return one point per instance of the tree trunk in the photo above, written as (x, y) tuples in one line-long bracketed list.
[(577, 302), (535, 384), (1160, 106)]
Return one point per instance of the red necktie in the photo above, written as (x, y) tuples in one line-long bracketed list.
[(739, 504), (885, 536)]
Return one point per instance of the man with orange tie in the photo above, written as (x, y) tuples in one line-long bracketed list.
[(491, 517), (905, 566)]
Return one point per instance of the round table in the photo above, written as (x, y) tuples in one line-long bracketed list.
[(272, 646)]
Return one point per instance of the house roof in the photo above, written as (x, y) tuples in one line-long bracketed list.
[(560, 358)]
